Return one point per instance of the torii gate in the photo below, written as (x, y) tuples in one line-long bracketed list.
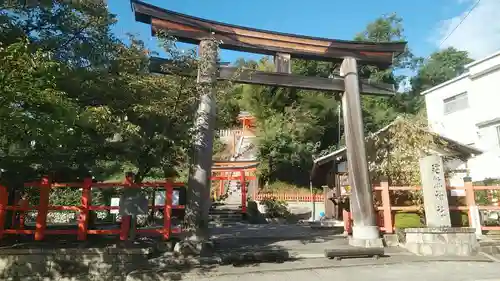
[(283, 47)]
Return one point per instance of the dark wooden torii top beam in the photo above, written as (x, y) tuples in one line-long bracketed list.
[(190, 29)]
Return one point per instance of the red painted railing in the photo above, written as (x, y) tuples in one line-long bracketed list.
[(387, 210), (291, 197), (86, 205)]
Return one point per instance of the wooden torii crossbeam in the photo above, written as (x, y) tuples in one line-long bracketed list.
[(191, 29), (283, 47), (255, 77)]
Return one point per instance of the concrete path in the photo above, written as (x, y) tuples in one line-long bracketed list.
[(271, 231), (436, 271), (396, 267)]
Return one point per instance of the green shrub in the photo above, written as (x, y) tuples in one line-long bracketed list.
[(407, 220), (275, 208), (459, 219)]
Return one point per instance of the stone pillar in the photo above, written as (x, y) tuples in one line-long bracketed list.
[(198, 190), (283, 63), (365, 229), (437, 210)]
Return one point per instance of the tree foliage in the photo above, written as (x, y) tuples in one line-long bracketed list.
[(440, 67), (77, 101), (294, 126), (395, 153)]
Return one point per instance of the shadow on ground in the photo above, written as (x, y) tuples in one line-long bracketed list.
[(152, 259)]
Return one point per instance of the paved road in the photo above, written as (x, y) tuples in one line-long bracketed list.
[(400, 267), (271, 231), (436, 271)]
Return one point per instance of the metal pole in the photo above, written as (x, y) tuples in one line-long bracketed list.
[(313, 207)]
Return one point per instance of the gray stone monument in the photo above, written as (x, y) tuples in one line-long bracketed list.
[(438, 238), (437, 210)]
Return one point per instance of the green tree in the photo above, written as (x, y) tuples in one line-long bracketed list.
[(77, 101), (441, 66), (380, 111), (295, 125), (292, 125)]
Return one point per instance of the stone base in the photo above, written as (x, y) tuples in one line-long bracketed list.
[(48, 263), (391, 240), (365, 232), (366, 237), (446, 241), (366, 243)]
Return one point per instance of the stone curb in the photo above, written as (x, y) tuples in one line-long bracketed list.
[(493, 249)]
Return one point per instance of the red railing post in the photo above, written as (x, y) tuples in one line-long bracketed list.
[(243, 192), (386, 205), (346, 216), (83, 222), (125, 227), (4, 195), (167, 210), (470, 198), (41, 219), (221, 188)]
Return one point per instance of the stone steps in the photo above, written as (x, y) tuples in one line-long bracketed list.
[(225, 215)]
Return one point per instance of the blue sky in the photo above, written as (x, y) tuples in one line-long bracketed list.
[(424, 20)]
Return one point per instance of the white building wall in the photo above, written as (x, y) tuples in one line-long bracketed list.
[(467, 126)]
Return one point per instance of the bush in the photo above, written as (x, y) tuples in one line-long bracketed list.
[(253, 214), (459, 219), (275, 208), (407, 220)]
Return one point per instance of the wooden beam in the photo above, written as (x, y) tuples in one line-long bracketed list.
[(190, 29), (253, 77), (354, 252)]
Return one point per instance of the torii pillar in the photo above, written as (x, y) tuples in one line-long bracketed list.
[(365, 232), (201, 169)]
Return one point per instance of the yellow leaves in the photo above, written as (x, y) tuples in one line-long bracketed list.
[(396, 152)]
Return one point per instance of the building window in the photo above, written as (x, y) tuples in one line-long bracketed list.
[(456, 103)]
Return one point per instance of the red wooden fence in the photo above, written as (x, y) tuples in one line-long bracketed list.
[(386, 209), (86, 205), (297, 197)]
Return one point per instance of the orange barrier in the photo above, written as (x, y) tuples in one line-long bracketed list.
[(86, 205)]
